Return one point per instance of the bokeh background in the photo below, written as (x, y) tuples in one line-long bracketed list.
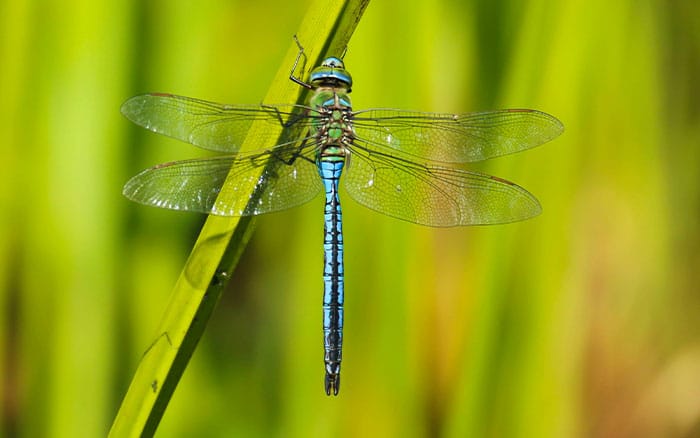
[(581, 322)]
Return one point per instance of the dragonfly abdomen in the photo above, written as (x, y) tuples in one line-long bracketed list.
[(330, 168)]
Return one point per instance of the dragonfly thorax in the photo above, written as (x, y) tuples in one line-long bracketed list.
[(333, 125)]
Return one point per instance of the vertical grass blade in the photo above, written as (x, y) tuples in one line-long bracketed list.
[(326, 29)]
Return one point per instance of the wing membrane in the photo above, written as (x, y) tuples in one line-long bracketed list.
[(455, 138), (282, 179), (209, 125), (433, 195)]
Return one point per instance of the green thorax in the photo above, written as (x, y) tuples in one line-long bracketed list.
[(333, 123), (331, 85), (333, 108)]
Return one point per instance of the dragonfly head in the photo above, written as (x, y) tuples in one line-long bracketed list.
[(331, 73)]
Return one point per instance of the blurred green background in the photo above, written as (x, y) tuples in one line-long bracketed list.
[(581, 322)]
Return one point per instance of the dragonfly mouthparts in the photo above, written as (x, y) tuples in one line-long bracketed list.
[(332, 383)]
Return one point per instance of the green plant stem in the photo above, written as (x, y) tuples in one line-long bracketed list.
[(326, 30)]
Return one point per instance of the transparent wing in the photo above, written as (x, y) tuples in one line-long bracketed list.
[(433, 195), (290, 179), (209, 125), (455, 138)]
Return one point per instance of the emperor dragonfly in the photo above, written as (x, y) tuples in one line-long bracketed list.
[(399, 163)]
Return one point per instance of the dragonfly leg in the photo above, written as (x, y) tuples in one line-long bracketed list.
[(294, 118), (262, 158), (294, 156), (296, 62), (298, 154)]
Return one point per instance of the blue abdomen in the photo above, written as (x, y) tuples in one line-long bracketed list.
[(330, 169)]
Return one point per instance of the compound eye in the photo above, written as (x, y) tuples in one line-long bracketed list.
[(333, 62)]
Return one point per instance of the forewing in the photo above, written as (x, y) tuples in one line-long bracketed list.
[(209, 125), (433, 195), (287, 180), (455, 138)]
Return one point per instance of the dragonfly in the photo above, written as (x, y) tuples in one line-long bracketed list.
[(404, 164)]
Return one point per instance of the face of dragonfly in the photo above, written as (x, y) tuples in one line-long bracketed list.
[(331, 73)]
